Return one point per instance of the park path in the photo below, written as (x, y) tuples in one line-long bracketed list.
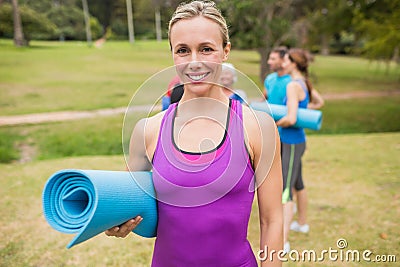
[(37, 118)]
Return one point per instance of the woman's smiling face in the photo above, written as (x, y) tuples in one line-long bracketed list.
[(198, 51), (287, 65)]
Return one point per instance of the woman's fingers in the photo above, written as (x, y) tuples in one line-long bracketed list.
[(137, 220), (124, 229)]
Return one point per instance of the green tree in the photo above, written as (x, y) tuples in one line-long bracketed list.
[(112, 15), (40, 6), (36, 26), (144, 16), (329, 21), (378, 24), (70, 22), (103, 11), (259, 24)]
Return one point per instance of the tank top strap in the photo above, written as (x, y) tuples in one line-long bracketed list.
[(234, 131), (235, 126), (168, 113), (165, 125), (303, 103), (302, 84)]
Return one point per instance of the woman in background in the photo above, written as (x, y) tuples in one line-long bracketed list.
[(293, 140)]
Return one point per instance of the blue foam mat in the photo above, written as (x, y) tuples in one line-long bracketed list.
[(306, 118), (88, 202)]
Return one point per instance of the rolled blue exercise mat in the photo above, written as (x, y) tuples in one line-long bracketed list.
[(88, 202), (306, 118)]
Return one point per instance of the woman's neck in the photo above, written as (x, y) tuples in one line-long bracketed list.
[(210, 105), (296, 75)]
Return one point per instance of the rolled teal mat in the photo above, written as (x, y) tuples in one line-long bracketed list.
[(306, 118), (88, 202)]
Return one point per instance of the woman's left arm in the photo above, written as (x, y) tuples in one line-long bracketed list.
[(265, 145), (317, 101)]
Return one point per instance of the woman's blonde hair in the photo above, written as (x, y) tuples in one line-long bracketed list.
[(207, 9)]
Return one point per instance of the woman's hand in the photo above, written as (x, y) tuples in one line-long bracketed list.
[(124, 229), (317, 101)]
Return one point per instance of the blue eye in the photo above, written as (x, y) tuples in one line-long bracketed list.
[(182, 50), (207, 50)]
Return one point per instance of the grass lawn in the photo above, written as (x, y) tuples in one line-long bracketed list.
[(80, 137), (342, 74), (353, 186), (351, 166), (378, 114), (53, 76)]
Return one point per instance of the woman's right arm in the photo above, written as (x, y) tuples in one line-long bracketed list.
[(265, 152), (138, 161)]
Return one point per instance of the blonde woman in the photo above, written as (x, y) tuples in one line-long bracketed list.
[(205, 154)]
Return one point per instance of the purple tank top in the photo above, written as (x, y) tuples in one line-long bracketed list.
[(204, 200)]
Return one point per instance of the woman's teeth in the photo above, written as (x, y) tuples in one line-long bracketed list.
[(197, 77)]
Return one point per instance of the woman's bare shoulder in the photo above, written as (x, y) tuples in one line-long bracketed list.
[(255, 120), (260, 130), (151, 125), (155, 120)]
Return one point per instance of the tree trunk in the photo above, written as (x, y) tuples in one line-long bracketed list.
[(19, 39), (264, 52), (87, 22), (324, 44), (130, 21), (396, 54), (269, 13), (158, 24)]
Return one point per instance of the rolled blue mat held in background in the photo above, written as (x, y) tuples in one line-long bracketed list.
[(306, 118), (88, 202)]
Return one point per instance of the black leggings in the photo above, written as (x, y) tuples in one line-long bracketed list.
[(291, 169)]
